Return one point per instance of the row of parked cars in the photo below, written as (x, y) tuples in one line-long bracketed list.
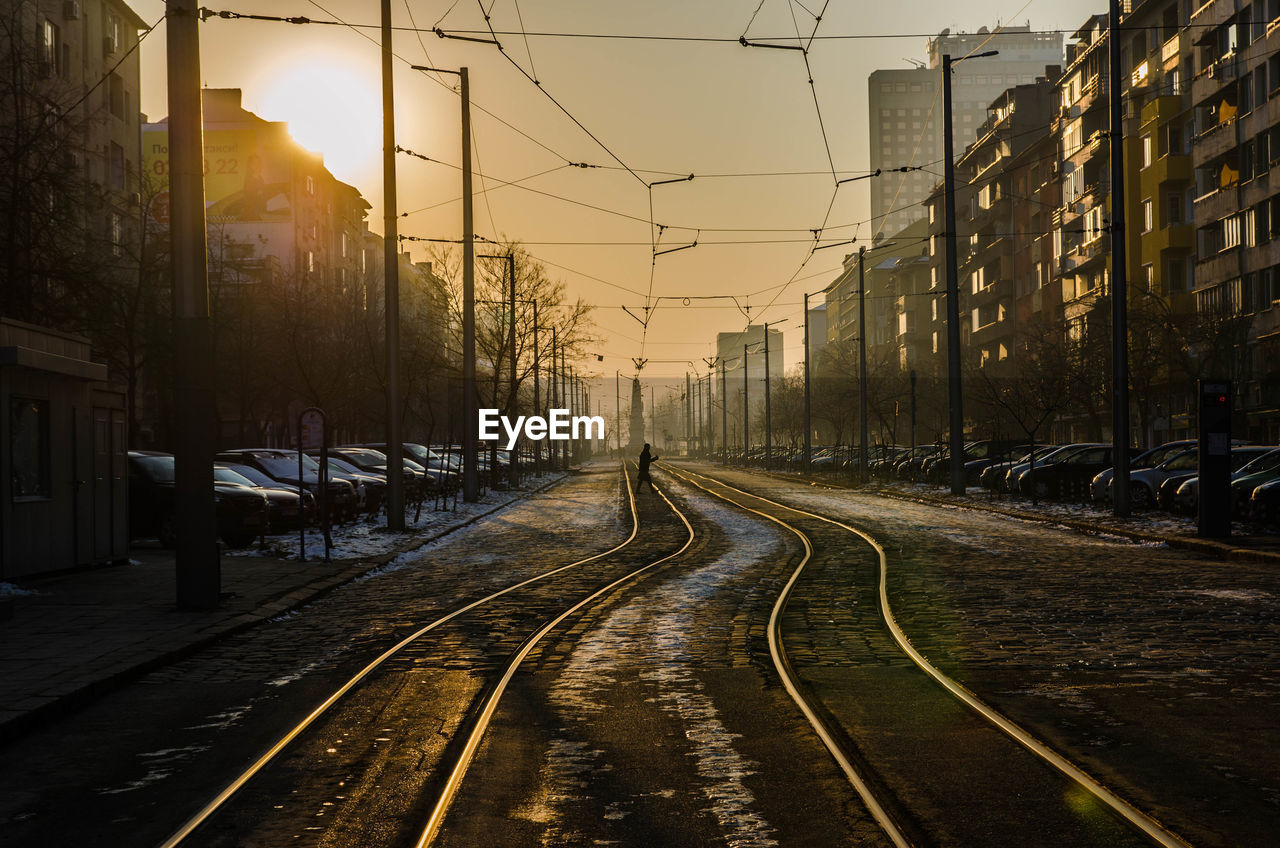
[(269, 490), (1163, 477)]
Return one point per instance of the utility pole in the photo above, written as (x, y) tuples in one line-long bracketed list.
[(746, 409), (688, 415), (617, 400), (198, 572), (515, 377), (470, 475), (724, 414), (913, 407), (862, 366), (1119, 279), (552, 459), (537, 396), (808, 410), (391, 283), (768, 408), (955, 395)]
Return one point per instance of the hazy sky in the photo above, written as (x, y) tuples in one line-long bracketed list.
[(663, 108)]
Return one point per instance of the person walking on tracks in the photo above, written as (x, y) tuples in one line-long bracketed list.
[(646, 459)]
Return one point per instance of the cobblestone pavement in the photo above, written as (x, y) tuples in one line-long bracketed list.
[(656, 719), (135, 763), (1154, 669)]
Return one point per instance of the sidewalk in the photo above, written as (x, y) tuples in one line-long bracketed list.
[(1154, 527), (74, 637)]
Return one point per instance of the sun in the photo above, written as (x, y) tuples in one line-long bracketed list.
[(331, 110)]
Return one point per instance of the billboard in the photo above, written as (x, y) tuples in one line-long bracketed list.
[(247, 174)]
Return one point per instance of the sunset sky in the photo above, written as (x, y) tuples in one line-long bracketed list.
[(742, 119)]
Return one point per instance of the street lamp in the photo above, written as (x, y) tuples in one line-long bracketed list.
[(768, 409), (956, 397)]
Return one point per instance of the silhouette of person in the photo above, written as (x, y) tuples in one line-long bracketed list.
[(645, 460)]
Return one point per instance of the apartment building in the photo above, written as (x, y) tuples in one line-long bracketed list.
[(274, 212), (905, 109), (1236, 208)]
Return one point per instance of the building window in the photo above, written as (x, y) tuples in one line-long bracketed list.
[(1148, 216), (117, 166), (114, 30), (116, 225), (311, 185), (1149, 277), (115, 95), (1173, 208), (29, 448), (1146, 151), (1230, 232), (50, 50)]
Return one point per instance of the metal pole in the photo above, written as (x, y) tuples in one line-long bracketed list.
[(198, 572), (711, 427), (862, 367), (688, 415), (552, 458), (953, 306), (653, 425), (391, 284), (768, 408), (746, 408), (514, 470), (808, 409), (471, 425), (913, 407), (1119, 280), (617, 400), (724, 415), (537, 392)]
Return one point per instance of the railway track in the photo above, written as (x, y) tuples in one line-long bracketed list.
[(890, 813), (479, 718)]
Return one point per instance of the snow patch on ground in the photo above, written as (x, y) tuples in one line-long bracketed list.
[(10, 590), (361, 541), (1243, 595)]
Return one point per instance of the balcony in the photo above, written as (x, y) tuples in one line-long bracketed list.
[(1212, 13), (1215, 205), (1214, 78), (1215, 141), (1172, 49), (1166, 169), (1180, 238)]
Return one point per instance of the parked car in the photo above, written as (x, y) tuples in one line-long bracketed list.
[(1185, 494), (1144, 483), (241, 512), (1100, 490), (285, 508), (1067, 476), (994, 476), (372, 485), (1264, 469), (1015, 472), (282, 466)]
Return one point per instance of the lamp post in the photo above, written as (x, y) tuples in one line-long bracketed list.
[(955, 395), (768, 409)]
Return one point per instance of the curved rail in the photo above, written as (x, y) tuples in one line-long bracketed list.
[(790, 680), (1123, 808), (235, 785), (459, 769)]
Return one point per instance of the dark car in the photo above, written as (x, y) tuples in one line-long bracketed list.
[(1068, 477), (285, 509), (1100, 489), (282, 466), (241, 512), (373, 483), (1264, 469), (1182, 493)]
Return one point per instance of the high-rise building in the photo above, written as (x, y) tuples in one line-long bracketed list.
[(905, 110)]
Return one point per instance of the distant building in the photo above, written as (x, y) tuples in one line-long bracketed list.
[(905, 110), (274, 211)]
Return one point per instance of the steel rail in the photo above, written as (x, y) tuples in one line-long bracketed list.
[(235, 785), (1143, 822), (790, 679), (459, 770)]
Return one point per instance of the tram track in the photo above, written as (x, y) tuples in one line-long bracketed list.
[(897, 826), (488, 700)]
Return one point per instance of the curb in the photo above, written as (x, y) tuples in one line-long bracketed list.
[(1208, 547), (270, 608)]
